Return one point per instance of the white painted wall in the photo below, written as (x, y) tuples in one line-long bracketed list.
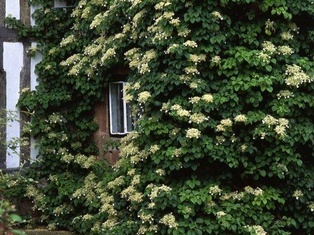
[(33, 9), (12, 64), (33, 76), (34, 61), (12, 8)]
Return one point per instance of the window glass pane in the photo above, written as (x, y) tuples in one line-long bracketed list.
[(116, 108)]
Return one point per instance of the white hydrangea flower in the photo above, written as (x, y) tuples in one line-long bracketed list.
[(198, 118), (193, 133), (208, 98), (143, 96), (169, 220), (240, 118), (269, 47), (296, 76), (286, 36), (220, 214), (257, 229), (190, 43), (284, 50)]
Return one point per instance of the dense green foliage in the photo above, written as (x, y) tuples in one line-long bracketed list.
[(8, 219), (224, 94)]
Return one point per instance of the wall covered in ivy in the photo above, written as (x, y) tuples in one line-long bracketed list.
[(223, 91)]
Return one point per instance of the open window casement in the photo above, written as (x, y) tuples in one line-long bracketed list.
[(121, 120)]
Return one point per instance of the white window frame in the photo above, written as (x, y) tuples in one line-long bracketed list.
[(125, 122)]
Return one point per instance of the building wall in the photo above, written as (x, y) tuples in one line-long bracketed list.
[(16, 73)]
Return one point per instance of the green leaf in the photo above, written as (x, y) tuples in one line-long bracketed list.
[(15, 218), (263, 173)]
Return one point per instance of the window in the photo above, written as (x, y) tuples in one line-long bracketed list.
[(121, 120)]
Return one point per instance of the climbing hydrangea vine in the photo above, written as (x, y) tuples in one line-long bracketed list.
[(223, 92)]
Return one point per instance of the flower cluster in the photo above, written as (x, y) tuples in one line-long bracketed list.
[(257, 229), (107, 204), (84, 161), (38, 197), (269, 47), (107, 55), (213, 190), (197, 58), (216, 60), (161, 5), (180, 111), (56, 118), (240, 118), (98, 19), (197, 118), (191, 70), (109, 223), (175, 22), (280, 129), (139, 60), (269, 120), (169, 220), (286, 36), (160, 172), (132, 195), (154, 148), (136, 180), (282, 167), (295, 76), (284, 50), (280, 124), (144, 229), (68, 40), (172, 48), (256, 192), (143, 96), (116, 182), (297, 194), (285, 94), (220, 214), (208, 98), (243, 148), (194, 85), (194, 100), (140, 156), (270, 26), (193, 133), (62, 209), (128, 150), (232, 195), (138, 17), (93, 49), (220, 139), (190, 43), (183, 32), (145, 216), (217, 15), (263, 56), (156, 189), (224, 125), (177, 152)]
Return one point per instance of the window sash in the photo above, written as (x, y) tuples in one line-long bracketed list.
[(120, 112)]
